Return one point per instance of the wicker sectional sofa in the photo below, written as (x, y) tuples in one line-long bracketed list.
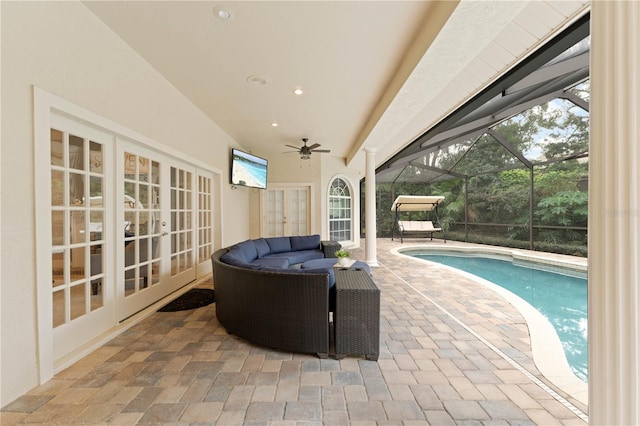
[(264, 297)]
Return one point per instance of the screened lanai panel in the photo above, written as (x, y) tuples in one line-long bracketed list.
[(512, 162), (560, 203), (389, 175), (549, 132), (486, 155), (411, 174), (501, 197), (448, 156), (419, 173), (582, 90)]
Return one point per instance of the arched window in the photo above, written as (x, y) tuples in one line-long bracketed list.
[(340, 206)]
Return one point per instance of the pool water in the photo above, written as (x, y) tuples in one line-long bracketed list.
[(562, 299)]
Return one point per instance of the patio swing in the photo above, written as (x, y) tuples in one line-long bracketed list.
[(414, 203)]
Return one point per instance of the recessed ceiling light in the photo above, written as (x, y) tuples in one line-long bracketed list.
[(258, 80), (297, 91), (274, 124), (221, 13)]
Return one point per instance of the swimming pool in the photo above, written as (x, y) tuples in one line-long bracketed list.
[(560, 297)]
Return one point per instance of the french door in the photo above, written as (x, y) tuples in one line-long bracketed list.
[(122, 231), (206, 209), (119, 225), (286, 211), (79, 165), (156, 227)]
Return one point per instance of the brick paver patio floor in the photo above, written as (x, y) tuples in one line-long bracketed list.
[(451, 352)]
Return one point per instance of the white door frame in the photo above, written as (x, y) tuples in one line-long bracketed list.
[(99, 320), (285, 187), (45, 104)]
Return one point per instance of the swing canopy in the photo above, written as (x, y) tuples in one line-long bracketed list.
[(415, 203)]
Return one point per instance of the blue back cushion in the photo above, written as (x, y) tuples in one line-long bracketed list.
[(244, 252), (235, 257), (279, 244), (262, 247), (249, 249), (306, 242)]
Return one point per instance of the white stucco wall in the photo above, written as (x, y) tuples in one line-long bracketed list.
[(64, 49)]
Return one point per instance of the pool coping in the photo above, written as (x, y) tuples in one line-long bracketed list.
[(546, 348)]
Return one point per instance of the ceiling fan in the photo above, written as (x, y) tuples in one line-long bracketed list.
[(305, 151)]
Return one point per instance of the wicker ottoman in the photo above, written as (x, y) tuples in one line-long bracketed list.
[(357, 315)]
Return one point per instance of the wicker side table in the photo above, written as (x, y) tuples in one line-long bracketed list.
[(330, 248), (357, 315)]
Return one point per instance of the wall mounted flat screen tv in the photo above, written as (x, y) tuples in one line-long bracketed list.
[(248, 169)]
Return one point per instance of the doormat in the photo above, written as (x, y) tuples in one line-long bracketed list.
[(192, 299)]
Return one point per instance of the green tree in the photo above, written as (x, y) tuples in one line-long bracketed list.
[(553, 137)]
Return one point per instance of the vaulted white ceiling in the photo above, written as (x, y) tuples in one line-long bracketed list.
[(373, 73)]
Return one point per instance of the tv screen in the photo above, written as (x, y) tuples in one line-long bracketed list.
[(248, 170)]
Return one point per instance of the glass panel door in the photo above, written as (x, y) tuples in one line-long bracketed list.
[(82, 301), (117, 229), (182, 222), (205, 221), (156, 228), (299, 212), (141, 223), (276, 218), (287, 211)]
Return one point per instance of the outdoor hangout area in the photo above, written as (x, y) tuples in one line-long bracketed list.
[(440, 363), (249, 216)]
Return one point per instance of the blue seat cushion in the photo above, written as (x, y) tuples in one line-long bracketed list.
[(303, 256), (272, 262), (294, 257), (305, 242)]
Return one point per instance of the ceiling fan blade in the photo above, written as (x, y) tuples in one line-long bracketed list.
[(314, 146), (320, 150), (294, 147), (291, 152)]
